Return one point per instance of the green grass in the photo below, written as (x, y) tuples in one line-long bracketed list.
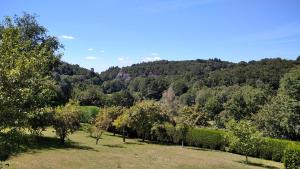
[(82, 153)]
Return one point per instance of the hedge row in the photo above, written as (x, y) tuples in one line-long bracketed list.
[(270, 149), (207, 138)]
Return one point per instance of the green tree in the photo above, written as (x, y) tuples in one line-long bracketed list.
[(243, 137), (290, 84), (106, 117), (39, 120), (123, 122), (144, 115), (27, 57), (66, 120), (281, 117)]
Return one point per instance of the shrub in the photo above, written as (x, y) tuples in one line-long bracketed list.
[(292, 156), (206, 138)]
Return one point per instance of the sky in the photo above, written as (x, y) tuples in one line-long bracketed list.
[(103, 33)]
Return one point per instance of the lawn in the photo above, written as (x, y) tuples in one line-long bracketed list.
[(112, 153)]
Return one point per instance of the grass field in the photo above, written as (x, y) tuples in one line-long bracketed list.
[(112, 153)]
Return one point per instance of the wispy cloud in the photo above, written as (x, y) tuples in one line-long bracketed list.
[(67, 37), (90, 49), (102, 51), (90, 57)]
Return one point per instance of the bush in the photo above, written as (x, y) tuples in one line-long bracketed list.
[(207, 138), (292, 157)]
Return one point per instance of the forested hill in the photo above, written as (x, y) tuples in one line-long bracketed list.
[(149, 80), (213, 72)]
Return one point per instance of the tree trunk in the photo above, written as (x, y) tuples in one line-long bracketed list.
[(97, 140), (114, 131), (62, 140), (246, 158), (124, 134), (182, 143)]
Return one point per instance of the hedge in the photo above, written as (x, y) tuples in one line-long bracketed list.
[(206, 138), (292, 157), (270, 149)]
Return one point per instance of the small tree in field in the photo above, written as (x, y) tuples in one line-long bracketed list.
[(122, 122), (66, 120), (243, 137)]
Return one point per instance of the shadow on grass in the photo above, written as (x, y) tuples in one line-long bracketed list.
[(43, 143), (257, 165), (133, 143), (198, 148), (114, 145)]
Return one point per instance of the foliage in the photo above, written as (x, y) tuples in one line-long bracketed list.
[(88, 113), (144, 115), (27, 57), (292, 157), (122, 122), (106, 117), (290, 84), (207, 138), (39, 120), (281, 117), (66, 120), (243, 137)]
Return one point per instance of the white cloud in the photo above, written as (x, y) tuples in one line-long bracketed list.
[(67, 37), (151, 58), (121, 59), (90, 49), (154, 54), (102, 51), (90, 58)]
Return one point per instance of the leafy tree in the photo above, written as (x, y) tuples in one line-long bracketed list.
[(144, 115), (66, 120), (39, 120), (90, 96), (107, 116), (281, 117), (179, 87), (290, 84), (122, 98), (122, 122), (243, 137), (113, 86), (245, 102), (213, 107), (27, 57)]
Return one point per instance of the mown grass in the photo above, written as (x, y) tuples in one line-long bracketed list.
[(82, 153)]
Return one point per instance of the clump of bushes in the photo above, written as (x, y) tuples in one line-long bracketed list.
[(292, 157)]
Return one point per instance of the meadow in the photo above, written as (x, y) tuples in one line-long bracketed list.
[(82, 152)]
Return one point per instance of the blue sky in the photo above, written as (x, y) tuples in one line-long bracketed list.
[(104, 33)]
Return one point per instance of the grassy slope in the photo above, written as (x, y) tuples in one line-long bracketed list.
[(112, 153)]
